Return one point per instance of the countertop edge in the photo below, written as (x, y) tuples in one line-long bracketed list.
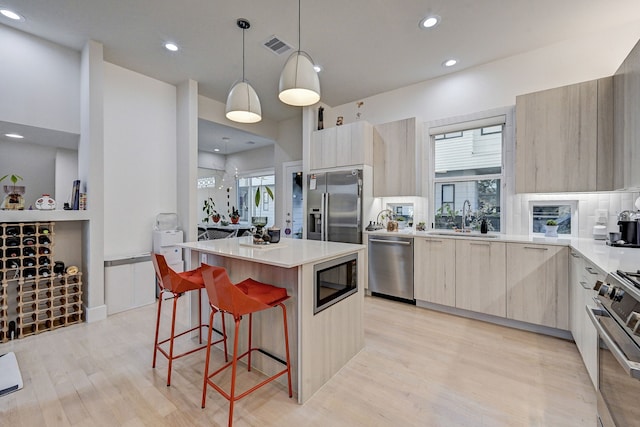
[(606, 258)]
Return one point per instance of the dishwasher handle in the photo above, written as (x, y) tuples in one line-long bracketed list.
[(391, 242)]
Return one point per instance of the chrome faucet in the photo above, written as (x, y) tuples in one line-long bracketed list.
[(388, 211), (464, 215)]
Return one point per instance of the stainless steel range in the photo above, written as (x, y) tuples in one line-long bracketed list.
[(617, 319)]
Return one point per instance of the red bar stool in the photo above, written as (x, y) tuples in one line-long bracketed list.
[(178, 284), (247, 297)]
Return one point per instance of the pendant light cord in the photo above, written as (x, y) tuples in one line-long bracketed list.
[(243, 54), (299, 14)]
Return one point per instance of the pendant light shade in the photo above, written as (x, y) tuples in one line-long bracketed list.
[(299, 82), (243, 104)]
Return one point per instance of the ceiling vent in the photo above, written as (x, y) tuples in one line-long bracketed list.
[(277, 46)]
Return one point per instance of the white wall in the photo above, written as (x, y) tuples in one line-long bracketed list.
[(214, 111), (39, 82), (66, 173), (35, 164), (497, 84), (493, 86), (139, 158)]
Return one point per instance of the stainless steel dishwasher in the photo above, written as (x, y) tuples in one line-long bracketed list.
[(391, 266)]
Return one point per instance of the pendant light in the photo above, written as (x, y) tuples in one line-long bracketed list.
[(243, 104), (299, 83)]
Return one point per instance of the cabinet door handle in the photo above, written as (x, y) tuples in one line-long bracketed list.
[(586, 286), (536, 248), (391, 242), (479, 244), (575, 255), (432, 240), (590, 270)]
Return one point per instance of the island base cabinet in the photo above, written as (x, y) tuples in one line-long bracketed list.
[(480, 277), (435, 271), (537, 291)]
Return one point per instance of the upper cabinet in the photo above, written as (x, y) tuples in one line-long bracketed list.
[(564, 139), (396, 155), (347, 145), (626, 83)]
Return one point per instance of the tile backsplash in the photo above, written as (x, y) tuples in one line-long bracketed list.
[(614, 202)]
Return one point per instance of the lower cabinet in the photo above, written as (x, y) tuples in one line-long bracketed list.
[(435, 270), (537, 291), (583, 276), (480, 276), (129, 285)]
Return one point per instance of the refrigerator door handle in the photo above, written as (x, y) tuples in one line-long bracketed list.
[(359, 214), (325, 215)]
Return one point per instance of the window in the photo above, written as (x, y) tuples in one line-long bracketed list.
[(561, 212), (248, 188), (468, 167)]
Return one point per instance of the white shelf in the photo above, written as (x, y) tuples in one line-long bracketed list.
[(38, 215)]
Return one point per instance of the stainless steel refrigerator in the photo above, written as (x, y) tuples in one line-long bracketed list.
[(334, 206)]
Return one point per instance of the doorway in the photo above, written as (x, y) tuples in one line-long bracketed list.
[(293, 197)]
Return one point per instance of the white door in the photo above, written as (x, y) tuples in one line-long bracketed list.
[(293, 200)]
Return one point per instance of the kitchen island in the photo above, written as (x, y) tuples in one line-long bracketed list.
[(320, 343)]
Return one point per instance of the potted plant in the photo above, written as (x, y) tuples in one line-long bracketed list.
[(235, 215), (209, 209), (14, 199), (551, 229)]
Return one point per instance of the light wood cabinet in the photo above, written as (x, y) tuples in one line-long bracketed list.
[(537, 291), (626, 96), (583, 277), (347, 145), (480, 276), (564, 138), (435, 270), (576, 264), (396, 155)]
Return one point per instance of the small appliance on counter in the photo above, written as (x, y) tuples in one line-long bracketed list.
[(600, 229), (629, 230)]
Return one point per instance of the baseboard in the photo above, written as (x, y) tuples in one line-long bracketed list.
[(95, 314)]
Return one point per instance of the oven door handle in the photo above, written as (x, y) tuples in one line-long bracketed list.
[(632, 368)]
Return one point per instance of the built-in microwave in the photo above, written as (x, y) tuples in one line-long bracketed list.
[(334, 281)]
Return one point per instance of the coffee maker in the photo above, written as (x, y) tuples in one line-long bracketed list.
[(629, 230)]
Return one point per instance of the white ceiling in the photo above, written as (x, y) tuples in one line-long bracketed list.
[(364, 46)]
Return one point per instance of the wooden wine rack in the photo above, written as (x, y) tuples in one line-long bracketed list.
[(31, 294)]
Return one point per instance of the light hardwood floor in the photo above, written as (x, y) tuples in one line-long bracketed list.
[(418, 368)]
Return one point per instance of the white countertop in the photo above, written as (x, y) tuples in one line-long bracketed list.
[(287, 253), (606, 258)]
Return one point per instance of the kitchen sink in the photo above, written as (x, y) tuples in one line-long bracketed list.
[(461, 234)]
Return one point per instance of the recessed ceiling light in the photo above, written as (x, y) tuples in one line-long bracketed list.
[(317, 68), (429, 21), (171, 46), (450, 62), (216, 149), (14, 135), (11, 15)]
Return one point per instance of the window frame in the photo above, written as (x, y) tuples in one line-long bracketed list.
[(250, 199), (500, 117), (574, 216)]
